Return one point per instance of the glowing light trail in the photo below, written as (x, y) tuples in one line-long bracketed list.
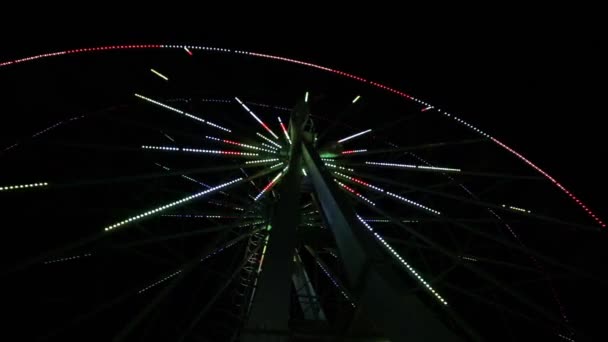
[(268, 186), (181, 112), (411, 270), (354, 136), (170, 205), (159, 75), (256, 118)]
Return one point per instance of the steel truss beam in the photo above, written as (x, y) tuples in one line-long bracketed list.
[(402, 316)]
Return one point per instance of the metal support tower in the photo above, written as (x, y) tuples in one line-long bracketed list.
[(271, 305), (379, 291)]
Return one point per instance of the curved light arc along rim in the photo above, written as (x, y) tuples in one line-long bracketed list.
[(583, 206)]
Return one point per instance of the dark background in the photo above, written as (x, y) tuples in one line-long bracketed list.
[(535, 82)]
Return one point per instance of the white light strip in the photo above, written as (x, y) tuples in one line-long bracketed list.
[(410, 166), (160, 75), (354, 136), (261, 161), (403, 262), (306, 97), (517, 209), (566, 338), (269, 146), (284, 130), (401, 198), (268, 139), (352, 191), (344, 294), (338, 167), (191, 179), (357, 98), (22, 186), (236, 143), (268, 186), (182, 112), (172, 204), (467, 258), (47, 129), (198, 150), (304, 172), (68, 258), (438, 168), (168, 137), (160, 281), (256, 118), (354, 151), (206, 216), (388, 221)]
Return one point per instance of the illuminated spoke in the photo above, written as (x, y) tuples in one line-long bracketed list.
[(75, 257), (262, 161), (486, 205), (388, 193), (268, 186), (398, 257), (269, 146), (335, 283), (182, 113), (410, 166), (159, 74), (256, 118), (354, 136), (171, 205), (418, 147), (22, 186), (214, 216), (236, 143), (353, 151), (198, 150), (159, 281), (168, 137), (284, 130), (352, 191), (267, 139), (429, 168), (521, 210)]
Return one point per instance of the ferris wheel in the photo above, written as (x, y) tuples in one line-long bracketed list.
[(224, 195)]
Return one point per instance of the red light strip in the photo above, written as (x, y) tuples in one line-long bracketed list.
[(353, 151), (354, 192), (284, 130), (268, 186), (256, 118), (295, 61), (351, 190), (246, 146), (561, 187), (230, 142), (198, 150)]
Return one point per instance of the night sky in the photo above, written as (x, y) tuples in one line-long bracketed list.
[(539, 87)]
